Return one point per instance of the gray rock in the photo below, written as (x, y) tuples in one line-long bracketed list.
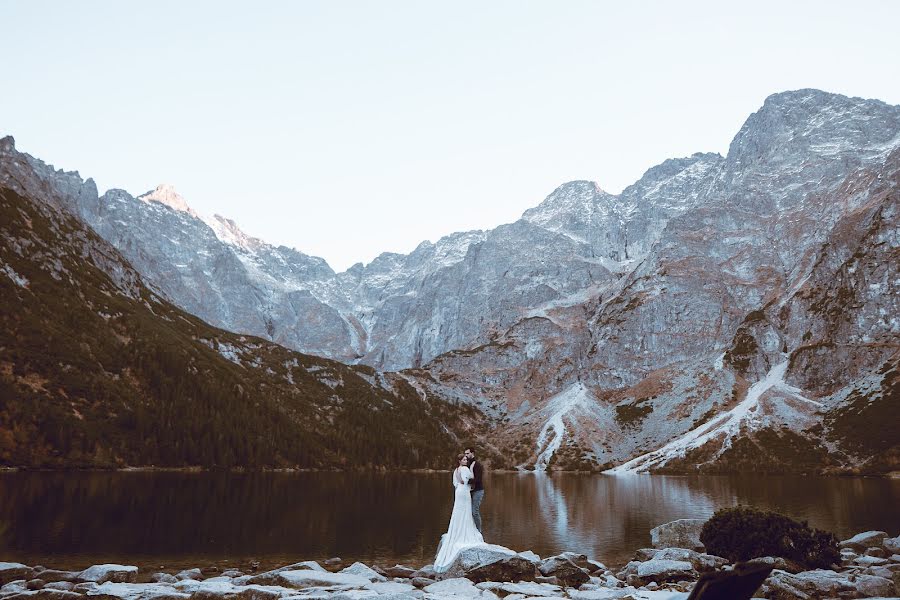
[(530, 589), (195, 574), (11, 571), (109, 572), (682, 533), (53, 575), (567, 572), (457, 586), (701, 562), (363, 570), (490, 562), (307, 578), (892, 545), (400, 571), (232, 573), (870, 561), (861, 541), (35, 584), (66, 586), (665, 570), (163, 578), (421, 582)]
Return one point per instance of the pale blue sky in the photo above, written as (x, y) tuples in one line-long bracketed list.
[(345, 129)]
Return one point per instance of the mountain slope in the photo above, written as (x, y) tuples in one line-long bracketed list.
[(96, 370)]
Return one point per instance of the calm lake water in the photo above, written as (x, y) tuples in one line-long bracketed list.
[(176, 520)]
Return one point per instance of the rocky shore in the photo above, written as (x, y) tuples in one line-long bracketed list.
[(870, 568)]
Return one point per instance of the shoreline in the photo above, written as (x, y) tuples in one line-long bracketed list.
[(870, 566), (383, 470)]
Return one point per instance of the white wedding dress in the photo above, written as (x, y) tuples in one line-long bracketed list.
[(462, 532)]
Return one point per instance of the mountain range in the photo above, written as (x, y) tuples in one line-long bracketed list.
[(720, 314)]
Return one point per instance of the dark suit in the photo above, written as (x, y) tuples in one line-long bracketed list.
[(477, 484)]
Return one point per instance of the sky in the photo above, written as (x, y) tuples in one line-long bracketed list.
[(346, 129)]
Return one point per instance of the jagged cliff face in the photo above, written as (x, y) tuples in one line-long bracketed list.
[(399, 311), (756, 313), (718, 306)]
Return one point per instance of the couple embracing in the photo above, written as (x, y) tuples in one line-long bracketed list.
[(465, 522)]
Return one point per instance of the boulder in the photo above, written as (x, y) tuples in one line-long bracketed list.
[(683, 533), (820, 583), (872, 585), (532, 589), (489, 562), (48, 595), (427, 572), (52, 575), (567, 572), (363, 570), (399, 571), (877, 551), (390, 587), (137, 591), (11, 571), (892, 545), (700, 561), (232, 573), (529, 555), (163, 578), (194, 574), (861, 541), (870, 561), (307, 578), (109, 572), (665, 570), (66, 586), (35, 584), (421, 582), (457, 586)]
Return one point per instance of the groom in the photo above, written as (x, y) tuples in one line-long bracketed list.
[(477, 486)]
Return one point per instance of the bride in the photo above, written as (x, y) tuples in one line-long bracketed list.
[(462, 532)]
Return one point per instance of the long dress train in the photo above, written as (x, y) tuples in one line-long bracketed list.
[(462, 532)]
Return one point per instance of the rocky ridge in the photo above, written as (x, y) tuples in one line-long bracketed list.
[(719, 310)]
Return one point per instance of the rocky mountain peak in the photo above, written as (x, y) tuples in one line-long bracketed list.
[(229, 232), (167, 194), (7, 144), (574, 198), (795, 124)]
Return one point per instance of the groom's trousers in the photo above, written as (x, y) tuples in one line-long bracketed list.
[(477, 497)]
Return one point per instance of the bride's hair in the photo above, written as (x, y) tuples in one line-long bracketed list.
[(459, 458)]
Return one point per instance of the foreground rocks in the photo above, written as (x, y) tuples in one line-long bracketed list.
[(870, 569)]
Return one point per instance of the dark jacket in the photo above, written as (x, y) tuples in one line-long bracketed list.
[(478, 473)]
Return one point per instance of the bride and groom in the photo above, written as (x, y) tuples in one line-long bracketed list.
[(465, 521)]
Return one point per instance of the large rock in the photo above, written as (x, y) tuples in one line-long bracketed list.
[(892, 545), (531, 589), (461, 587), (400, 571), (307, 578), (52, 575), (109, 572), (489, 562), (11, 571), (363, 570), (861, 541), (660, 570), (683, 533), (820, 583), (137, 591), (566, 572), (701, 562)]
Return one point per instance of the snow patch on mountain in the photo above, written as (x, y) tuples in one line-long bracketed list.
[(725, 426)]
